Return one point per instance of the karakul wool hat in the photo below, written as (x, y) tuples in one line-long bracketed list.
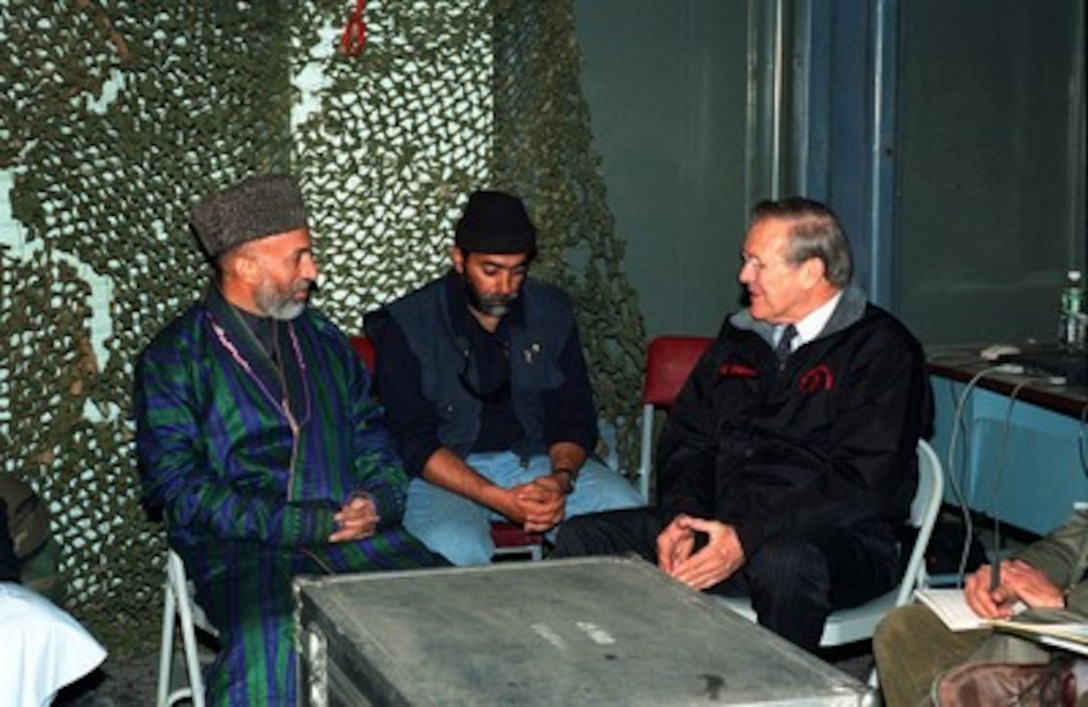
[(256, 207), (495, 222)]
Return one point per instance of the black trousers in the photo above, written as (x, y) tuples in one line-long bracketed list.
[(794, 580)]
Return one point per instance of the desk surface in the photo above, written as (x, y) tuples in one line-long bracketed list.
[(963, 362)]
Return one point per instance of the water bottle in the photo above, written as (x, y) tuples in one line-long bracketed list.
[(1072, 321)]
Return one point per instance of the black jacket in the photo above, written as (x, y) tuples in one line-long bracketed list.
[(828, 439)]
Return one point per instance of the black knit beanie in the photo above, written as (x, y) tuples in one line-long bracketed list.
[(495, 222)]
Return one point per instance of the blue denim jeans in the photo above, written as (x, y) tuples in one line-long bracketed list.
[(460, 529)]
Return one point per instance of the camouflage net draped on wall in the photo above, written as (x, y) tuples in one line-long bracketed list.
[(115, 116), (544, 149)]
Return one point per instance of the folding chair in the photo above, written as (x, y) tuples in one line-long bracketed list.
[(858, 623), (179, 608)]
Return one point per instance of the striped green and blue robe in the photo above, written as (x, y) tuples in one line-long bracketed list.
[(249, 460)]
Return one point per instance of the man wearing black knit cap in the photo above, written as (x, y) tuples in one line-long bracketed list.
[(486, 392)]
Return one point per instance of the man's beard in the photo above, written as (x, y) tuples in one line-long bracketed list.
[(492, 305), (282, 305)]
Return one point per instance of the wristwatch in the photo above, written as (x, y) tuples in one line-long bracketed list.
[(572, 477)]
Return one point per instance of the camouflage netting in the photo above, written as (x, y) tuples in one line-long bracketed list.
[(115, 115)]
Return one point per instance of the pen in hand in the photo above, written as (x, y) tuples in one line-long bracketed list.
[(995, 576)]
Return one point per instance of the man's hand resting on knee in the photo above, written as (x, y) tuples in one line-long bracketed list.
[(713, 563)]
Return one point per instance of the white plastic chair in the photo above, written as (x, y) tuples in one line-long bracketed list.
[(858, 623), (179, 608)]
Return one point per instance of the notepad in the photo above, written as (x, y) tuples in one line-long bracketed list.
[(1055, 627), (950, 606), (1060, 628)]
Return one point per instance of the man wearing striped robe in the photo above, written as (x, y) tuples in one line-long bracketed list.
[(259, 440)]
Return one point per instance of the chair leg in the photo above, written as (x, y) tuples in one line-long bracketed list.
[(178, 607), (188, 639), (875, 698), (645, 452), (166, 647)]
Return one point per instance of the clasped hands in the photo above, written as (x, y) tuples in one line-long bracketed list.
[(357, 519), (538, 505), (713, 563)]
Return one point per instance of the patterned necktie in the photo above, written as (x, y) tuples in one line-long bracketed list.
[(785, 342)]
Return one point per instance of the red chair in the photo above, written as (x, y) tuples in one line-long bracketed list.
[(365, 348), (669, 362), (509, 538)]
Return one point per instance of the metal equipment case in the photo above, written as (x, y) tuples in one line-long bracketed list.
[(591, 631)]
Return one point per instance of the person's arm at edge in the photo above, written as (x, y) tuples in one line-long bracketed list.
[(9, 563), (1062, 555)]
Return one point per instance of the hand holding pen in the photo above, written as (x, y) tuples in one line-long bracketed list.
[(995, 591), (986, 595)]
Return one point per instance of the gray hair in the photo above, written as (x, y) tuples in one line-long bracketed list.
[(815, 232)]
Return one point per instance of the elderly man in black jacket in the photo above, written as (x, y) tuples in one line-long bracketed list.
[(788, 462)]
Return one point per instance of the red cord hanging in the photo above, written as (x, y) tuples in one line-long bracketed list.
[(353, 38)]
